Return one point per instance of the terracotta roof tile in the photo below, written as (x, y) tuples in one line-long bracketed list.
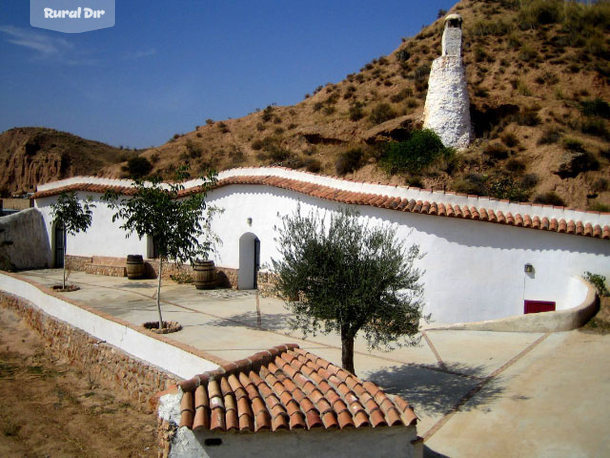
[(491, 216), (428, 207), (289, 389)]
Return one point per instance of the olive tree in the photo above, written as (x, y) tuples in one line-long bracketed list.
[(174, 220), (73, 217), (344, 276)]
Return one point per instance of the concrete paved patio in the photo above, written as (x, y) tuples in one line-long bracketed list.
[(476, 393)]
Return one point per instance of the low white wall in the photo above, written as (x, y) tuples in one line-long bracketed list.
[(561, 320), (395, 441), (158, 353), (379, 442)]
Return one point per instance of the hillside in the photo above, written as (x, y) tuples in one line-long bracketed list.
[(538, 82), (34, 155)]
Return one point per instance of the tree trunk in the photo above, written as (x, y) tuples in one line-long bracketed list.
[(65, 249), (159, 292), (347, 350)]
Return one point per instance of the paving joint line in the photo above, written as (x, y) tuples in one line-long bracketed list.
[(442, 369), (456, 408), (441, 363)]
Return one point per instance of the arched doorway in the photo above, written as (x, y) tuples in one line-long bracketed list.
[(59, 245), (249, 261)]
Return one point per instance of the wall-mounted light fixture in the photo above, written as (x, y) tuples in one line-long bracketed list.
[(249, 221), (528, 268)]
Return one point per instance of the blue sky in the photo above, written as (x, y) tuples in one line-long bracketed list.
[(167, 66)]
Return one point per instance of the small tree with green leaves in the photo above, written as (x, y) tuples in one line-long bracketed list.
[(347, 277), (176, 222), (73, 217)]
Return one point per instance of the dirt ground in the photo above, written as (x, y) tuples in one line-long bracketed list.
[(49, 408)]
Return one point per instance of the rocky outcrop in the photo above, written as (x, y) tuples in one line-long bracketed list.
[(24, 243), (31, 155)]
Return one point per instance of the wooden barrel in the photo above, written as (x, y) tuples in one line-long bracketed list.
[(204, 274), (135, 266)]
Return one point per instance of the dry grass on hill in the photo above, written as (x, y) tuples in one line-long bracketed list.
[(537, 76), (538, 80)]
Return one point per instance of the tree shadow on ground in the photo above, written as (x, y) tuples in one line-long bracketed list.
[(264, 321), (429, 453), (434, 391)]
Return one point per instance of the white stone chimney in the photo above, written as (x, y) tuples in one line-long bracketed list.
[(447, 108)]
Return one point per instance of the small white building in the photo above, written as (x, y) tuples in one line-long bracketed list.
[(285, 402), (485, 258)]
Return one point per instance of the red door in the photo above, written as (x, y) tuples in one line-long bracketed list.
[(538, 306)]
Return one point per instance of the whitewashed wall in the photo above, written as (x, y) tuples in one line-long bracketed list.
[(474, 270), (103, 238)]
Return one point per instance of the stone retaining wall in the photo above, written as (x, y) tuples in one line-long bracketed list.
[(101, 362), (115, 267)]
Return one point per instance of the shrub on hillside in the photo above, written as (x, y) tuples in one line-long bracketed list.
[(549, 135), (510, 139), (382, 112), (138, 167), (421, 150), (539, 12), (355, 111), (496, 151), (596, 107), (473, 183), (508, 188), (348, 161), (549, 198), (515, 166), (312, 165), (595, 126), (528, 116)]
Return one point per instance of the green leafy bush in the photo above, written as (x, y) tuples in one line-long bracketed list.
[(599, 281), (421, 150), (508, 188)]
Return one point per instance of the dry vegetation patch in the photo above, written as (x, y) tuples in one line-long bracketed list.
[(49, 408)]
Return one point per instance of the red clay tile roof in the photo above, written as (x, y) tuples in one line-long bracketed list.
[(376, 200), (287, 388)]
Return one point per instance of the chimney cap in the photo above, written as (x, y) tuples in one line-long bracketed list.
[(453, 20)]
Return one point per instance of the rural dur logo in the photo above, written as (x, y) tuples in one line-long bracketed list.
[(72, 16)]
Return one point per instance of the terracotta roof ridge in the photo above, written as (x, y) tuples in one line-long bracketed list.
[(569, 223), (254, 362), (287, 388)]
